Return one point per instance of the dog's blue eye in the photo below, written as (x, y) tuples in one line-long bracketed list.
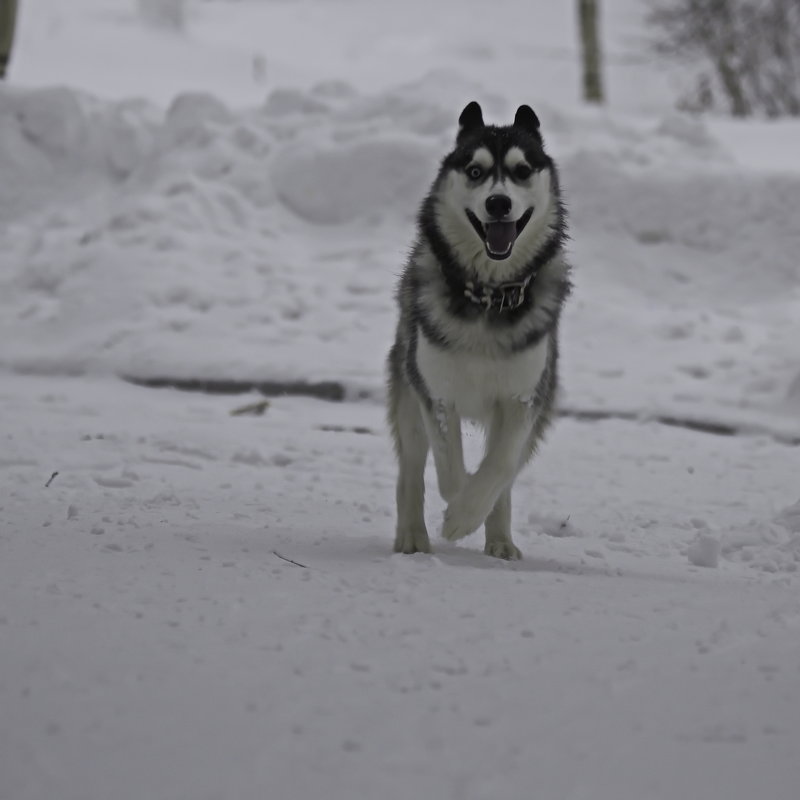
[(522, 172), (474, 172)]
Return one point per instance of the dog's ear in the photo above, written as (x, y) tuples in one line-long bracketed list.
[(471, 119), (527, 120)]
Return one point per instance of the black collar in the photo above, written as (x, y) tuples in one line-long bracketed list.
[(499, 296)]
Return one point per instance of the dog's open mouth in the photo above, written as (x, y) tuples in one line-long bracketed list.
[(499, 236)]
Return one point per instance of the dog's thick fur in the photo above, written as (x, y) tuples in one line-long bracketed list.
[(480, 300)]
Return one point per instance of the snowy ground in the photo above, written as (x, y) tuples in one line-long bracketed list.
[(234, 202), (155, 645)]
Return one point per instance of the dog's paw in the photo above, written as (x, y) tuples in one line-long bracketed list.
[(506, 550), (461, 518), (412, 541)]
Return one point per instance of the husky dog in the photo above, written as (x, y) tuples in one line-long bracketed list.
[(480, 300)]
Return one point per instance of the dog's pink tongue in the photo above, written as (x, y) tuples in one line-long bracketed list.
[(500, 236)]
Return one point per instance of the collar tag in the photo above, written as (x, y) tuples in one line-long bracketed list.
[(502, 297)]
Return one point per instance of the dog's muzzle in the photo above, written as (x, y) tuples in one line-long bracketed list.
[(499, 235)]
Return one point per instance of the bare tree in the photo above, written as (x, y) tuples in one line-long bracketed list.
[(591, 55), (748, 51), (8, 16)]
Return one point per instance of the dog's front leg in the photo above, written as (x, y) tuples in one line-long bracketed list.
[(412, 451), (509, 431), (443, 426), (498, 530)]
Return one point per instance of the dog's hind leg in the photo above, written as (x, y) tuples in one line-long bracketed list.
[(498, 530), (506, 443), (411, 443), (444, 433)]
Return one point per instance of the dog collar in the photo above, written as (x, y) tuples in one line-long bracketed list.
[(500, 297)]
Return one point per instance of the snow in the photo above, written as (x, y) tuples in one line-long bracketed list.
[(202, 603), (705, 550), (264, 244), (155, 643)]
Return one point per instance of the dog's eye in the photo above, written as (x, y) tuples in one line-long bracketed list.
[(474, 172), (522, 172)]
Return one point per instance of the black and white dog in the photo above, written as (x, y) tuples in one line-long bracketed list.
[(480, 301)]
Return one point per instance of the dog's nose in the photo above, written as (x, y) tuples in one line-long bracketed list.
[(498, 205)]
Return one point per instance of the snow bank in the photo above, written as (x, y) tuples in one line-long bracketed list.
[(352, 180), (190, 244), (264, 244), (704, 551), (772, 546), (58, 145)]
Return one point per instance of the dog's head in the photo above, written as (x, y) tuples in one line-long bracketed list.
[(496, 191)]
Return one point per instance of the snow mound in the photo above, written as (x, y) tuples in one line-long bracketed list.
[(185, 248), (772, 546), (560, 528), (704, 551), (57, 145), (352, 180), (192, 116), (690, 130), (264, 244)]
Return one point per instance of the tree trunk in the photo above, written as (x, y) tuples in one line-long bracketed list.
[(8, 16), (588, 13), (733, 88)]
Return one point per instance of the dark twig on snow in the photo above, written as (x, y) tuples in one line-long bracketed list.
[(346, 429), (252, 409), (296, 563), (52, 478)]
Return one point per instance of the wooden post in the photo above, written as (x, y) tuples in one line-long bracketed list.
[(8, 17), (588, 13)]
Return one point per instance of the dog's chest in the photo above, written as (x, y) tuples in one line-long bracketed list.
[(473, 383)]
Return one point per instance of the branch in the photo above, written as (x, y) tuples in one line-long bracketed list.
[(289, 560)]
